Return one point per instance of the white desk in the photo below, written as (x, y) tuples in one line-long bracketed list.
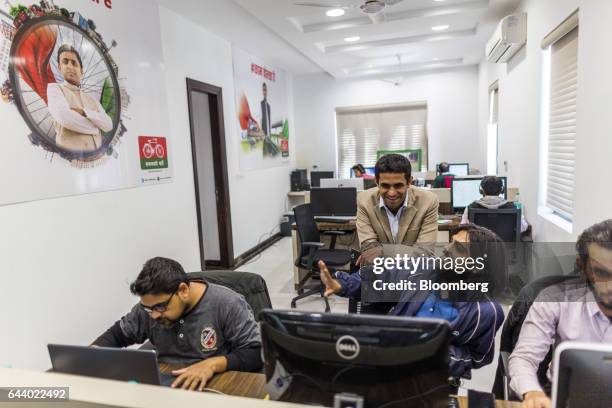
[(96, 393)]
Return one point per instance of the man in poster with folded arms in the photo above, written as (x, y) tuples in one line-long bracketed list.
[(78, 118)]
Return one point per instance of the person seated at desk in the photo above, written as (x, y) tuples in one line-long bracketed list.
[(206, 327), (395, 212), (474, 318), (443, 179), (491, 187), (559, 313), (360, 172)]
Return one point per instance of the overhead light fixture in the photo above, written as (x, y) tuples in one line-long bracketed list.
[(438, 1), (335, 13), (352, 39), (440, 27)]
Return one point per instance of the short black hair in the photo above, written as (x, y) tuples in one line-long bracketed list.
[(159, 276), (359, 167), (600, 234), (492, 185), (68, 48), (393, 163), (443, 167)]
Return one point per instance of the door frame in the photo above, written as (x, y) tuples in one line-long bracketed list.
[(217, 124)]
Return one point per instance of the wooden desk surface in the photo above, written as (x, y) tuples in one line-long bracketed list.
[(463, 403), (351, 226), (234, 383)]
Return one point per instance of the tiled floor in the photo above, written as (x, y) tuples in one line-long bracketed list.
[(276, 267)]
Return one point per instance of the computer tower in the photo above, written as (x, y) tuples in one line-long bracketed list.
[(299, 180)]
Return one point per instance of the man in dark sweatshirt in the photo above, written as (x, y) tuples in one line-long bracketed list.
[(491, 188), (203, 327)]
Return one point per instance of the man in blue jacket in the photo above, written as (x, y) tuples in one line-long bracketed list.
[(473, 317)]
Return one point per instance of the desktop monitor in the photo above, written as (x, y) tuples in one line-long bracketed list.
[(582, 373), (459, 169), (466, 190), (334, 202), (316, 176), (357, 183), (315, 358)]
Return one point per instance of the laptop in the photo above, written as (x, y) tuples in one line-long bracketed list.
[(131, 365), (582, 373)]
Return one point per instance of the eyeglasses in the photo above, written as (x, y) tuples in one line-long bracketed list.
[(159, 307)]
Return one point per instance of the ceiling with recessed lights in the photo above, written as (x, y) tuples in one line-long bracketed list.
[(407, 35)]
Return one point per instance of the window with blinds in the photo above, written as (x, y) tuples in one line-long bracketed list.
[(563, 50), (492, 130), (362, 131)]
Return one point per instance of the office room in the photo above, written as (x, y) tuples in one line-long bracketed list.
[(278, 203)]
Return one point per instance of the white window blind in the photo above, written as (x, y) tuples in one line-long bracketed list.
[(361, 131), (562, 125), (492, 130)]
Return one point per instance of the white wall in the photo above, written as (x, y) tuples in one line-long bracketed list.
[(520, 84), (66, 263), (257, 197), (452, 98)]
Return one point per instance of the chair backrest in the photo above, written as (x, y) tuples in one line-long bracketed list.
[(505, 222), (250, 285), (306, 224)]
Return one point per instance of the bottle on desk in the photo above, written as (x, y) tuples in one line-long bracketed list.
[(517, 201)]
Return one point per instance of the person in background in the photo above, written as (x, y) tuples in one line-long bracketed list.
[(583, 313), (474, 319), (395, 212), (360, 172), (442, 180), (206, 328), (491, 187)]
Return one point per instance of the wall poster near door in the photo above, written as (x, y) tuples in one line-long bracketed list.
[(76, 81), (262, 107)]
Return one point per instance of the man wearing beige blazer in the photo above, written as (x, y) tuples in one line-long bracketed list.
[(394, 212)]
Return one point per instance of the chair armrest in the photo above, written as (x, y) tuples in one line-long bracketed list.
[(312, 244), (503, 358), (333, 232)]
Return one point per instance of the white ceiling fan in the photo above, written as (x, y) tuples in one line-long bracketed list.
[(374, 9)]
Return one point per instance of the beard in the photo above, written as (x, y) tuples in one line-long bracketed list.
[(602, 293)]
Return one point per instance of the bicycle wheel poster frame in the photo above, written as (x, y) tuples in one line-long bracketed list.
[(76, 81)]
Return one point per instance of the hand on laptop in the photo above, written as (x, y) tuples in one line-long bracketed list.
[(197, 375), (332, 286), (536, 399)]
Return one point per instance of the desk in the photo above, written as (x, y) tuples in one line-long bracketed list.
[(350, 240), (463, 403), (234, 383)]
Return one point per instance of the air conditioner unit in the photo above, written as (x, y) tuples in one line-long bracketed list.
[(509, 37)]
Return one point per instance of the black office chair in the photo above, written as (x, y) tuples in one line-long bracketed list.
[(505, 222), (312, 251)]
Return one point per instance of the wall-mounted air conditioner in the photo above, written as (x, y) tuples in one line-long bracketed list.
[(509, 37)]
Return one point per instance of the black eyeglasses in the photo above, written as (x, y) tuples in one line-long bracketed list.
[(159, 307)]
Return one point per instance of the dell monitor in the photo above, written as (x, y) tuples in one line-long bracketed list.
[(336, 202), (464, 191), (459, 169), (582, 375), (361, 360), (316, 176)]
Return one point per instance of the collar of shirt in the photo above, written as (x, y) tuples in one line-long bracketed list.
[(71, 87)]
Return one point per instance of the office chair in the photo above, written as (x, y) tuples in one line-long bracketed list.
[(505, 222), (512, 329), (312, 251)]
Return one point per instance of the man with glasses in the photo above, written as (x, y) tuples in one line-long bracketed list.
[(203, 327), (395, 213)]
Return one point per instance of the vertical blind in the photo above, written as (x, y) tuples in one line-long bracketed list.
[(562, 125), (361, 131)]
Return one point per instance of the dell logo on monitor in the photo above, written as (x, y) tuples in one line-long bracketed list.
[(347, 347)]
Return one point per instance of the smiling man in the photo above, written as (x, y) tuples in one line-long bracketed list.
[(78, 118), (395, 213), (205, 327)]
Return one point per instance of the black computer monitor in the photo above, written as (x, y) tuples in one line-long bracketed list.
[(582, 375), (459, 169), (341, 202), (316, 176), (313, 358), (466, 190)]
